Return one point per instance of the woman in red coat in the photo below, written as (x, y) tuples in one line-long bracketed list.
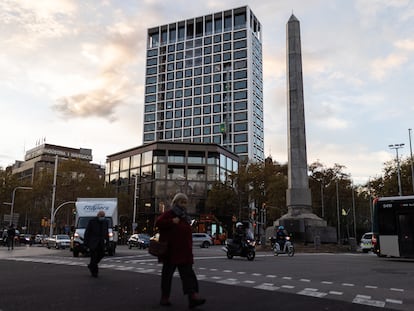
[(175, 227)]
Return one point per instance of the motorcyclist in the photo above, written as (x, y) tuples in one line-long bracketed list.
[(281, 235), (239, 235)]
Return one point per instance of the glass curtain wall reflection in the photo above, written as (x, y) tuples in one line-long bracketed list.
[(158, 171)]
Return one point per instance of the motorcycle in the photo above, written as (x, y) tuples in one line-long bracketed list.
[(246, 249), (288, 247)]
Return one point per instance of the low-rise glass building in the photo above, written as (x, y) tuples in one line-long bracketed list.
[(159, 170)]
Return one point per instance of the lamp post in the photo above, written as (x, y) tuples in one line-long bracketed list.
[(337, 212), (134, 216), (52, 210), (12, 202), (396, 147), (61, 205), (411, 156)]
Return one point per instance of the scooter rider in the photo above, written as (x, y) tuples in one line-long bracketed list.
[(281, 235), (239, 235)]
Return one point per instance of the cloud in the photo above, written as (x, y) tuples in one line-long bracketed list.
[(112, 91), (113, 60), (33, 21), (380, 67), (406, 44)]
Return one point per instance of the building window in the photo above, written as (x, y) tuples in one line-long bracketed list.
[(240, 85), (240, 138), (240, 127), (197, 121), (240, 116), (240, 44), (240, 149), (240, 95), (196, 131), (240, 54)]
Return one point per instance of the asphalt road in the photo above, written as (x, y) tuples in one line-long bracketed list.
[(40, 279)]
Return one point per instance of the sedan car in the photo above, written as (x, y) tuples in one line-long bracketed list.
[(140, 240), (58, 241), (366, 242), (202, 240), (26, 239), (39, 238)]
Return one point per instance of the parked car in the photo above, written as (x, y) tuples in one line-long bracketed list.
[(26, 239), (366, 242), (39, 238), (58, 241), (202, 240), (140, 240)]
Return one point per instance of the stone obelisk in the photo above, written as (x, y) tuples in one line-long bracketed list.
[(299, 218), (298, 195)]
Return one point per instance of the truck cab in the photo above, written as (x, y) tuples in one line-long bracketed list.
[(86, 209)]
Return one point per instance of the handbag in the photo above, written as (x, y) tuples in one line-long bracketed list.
[(157, 248)]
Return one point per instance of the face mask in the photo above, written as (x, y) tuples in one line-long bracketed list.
[(101, 218)]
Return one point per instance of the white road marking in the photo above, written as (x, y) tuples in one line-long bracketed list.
[(368, 302), (394, 301), (267, 286), (348, 284), (229, 282), (313, 293)]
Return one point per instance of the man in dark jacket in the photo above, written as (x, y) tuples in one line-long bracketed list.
[(11, 233), (96, 237)]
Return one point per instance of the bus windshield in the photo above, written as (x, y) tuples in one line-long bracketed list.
[(393, 226)]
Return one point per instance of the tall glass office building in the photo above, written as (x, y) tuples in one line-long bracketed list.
[(204, 82)]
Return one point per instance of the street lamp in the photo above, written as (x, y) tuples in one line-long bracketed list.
[(54, 212), (12, 202), (134, 216), (396, 147), (412, 165)]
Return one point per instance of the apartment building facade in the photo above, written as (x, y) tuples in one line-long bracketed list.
[(204, 84)]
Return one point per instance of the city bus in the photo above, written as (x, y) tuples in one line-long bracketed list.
[(393, 226)]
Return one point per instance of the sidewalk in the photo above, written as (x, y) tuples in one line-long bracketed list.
[(24, 250)]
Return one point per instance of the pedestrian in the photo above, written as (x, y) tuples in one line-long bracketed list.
[(175, 228), (96, 238), (11, 233)]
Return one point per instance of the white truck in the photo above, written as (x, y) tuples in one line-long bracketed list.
[(86, 209)]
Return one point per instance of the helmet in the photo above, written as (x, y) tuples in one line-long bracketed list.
[(239, 225), (281, 228)]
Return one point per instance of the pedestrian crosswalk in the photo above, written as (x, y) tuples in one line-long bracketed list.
[(270, 282)]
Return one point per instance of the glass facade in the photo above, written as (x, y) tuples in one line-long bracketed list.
[(159, 170), (204, 82)]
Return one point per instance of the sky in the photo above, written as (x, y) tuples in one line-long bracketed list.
[(72, 74)]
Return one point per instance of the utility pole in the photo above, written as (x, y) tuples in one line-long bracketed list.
[(396, 147), (52, 210), (411, 156)]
